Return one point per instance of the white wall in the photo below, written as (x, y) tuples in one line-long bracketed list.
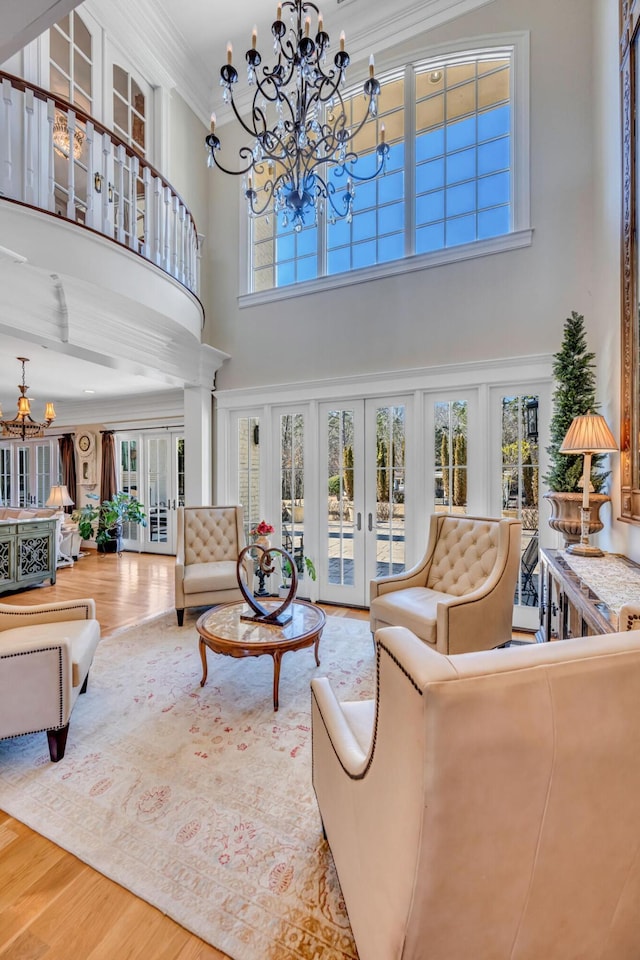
[(188, 173), (497, 306)]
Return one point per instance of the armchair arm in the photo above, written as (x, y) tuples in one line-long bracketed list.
[(478, 620), (415, 577), (347, 749), (36, 679), (12, 615)]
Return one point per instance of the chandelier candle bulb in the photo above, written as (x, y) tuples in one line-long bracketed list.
[(229, 53), (382, 133), (307, 26), (320, 23), (371, 65), (213, 123), (342, 40), (254, 38), (279, 12)]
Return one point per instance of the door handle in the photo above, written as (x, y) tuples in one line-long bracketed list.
[(359, 522), (370, 524)]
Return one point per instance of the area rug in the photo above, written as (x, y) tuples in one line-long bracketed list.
[(199, 800)]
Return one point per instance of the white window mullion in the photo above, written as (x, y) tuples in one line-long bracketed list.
[(409, 161)]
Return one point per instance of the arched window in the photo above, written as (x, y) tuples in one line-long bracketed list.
[(456, 176)]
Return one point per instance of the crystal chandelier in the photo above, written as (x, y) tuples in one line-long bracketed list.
[(298, 123), (62, 137), (23, 425)]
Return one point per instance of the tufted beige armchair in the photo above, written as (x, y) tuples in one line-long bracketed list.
[(45, 655), (485, 806), (460, 596), (209, 541)]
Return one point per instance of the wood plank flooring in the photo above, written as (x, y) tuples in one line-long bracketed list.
[(53, 906)]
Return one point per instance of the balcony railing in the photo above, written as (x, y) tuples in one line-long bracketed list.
[(59, 159)]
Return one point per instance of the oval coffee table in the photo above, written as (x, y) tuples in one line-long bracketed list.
[(223, 631)]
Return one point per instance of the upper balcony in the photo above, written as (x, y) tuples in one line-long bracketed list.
[(105, 237), (57, 159)]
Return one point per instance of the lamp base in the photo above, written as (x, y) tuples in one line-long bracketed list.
[(585, 550)]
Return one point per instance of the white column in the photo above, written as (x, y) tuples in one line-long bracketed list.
[(198, 460)]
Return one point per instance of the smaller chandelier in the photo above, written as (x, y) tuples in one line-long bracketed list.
[(298, 124), (62, 137), (23, 425)]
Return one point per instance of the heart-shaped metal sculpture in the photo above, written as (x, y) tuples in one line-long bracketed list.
[(279, 615)]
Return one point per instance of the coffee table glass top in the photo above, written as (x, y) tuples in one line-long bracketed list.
[(225, 623)]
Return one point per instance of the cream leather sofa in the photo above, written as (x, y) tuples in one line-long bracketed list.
[(209, 542), (485, 807), (460, 596), (45, 655)]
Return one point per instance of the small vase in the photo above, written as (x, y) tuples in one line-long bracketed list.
[(263, 542)]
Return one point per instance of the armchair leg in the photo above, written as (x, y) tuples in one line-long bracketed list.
[(180, 615), (57, 743), (83, 688)]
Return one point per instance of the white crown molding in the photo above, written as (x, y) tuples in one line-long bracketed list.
[(536, 368), (153, 43)]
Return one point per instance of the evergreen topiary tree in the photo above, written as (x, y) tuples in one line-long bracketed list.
[(574, 395)]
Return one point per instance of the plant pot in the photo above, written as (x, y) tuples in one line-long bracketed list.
[(115, 542), (565, 514)]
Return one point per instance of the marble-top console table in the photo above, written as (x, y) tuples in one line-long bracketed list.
[(582, 596), (27, 553)]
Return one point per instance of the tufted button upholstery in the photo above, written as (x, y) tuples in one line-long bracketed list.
[(464, 556), (209, 542), (211, 534), (460, 596)]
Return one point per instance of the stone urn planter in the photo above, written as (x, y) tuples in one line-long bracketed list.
[(565, 514)]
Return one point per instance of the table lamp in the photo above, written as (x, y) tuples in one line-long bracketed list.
[(59, 497), (588, 434)]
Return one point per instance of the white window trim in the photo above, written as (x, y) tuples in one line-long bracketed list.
[(521, 236)]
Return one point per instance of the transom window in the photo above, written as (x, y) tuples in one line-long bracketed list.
[(450, 182)]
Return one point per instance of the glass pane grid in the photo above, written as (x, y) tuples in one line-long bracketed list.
[(463, 177)]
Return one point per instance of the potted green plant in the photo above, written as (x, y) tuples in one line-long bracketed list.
[(574, 395), (104, 521), (303, 563)]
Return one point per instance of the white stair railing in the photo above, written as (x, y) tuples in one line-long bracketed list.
[(59, 159)]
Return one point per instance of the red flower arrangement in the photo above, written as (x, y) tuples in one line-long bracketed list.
[(262, 530)]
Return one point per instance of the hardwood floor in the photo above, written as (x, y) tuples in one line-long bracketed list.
[(53, 906)]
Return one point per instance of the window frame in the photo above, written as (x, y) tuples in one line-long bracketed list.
[(517, 44)]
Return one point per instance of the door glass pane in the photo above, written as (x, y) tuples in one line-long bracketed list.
[(292, 486), (450, 473), (129, 482), (5, 476), (390, 477), (24, 488), (249, 471), (158, 486), (44, 480), (340, 482), (520, 485)]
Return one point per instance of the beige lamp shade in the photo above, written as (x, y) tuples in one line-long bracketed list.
[(588, 433), (59, 497)]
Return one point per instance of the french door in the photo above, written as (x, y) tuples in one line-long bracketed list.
[(152, 469), (362, 517)]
